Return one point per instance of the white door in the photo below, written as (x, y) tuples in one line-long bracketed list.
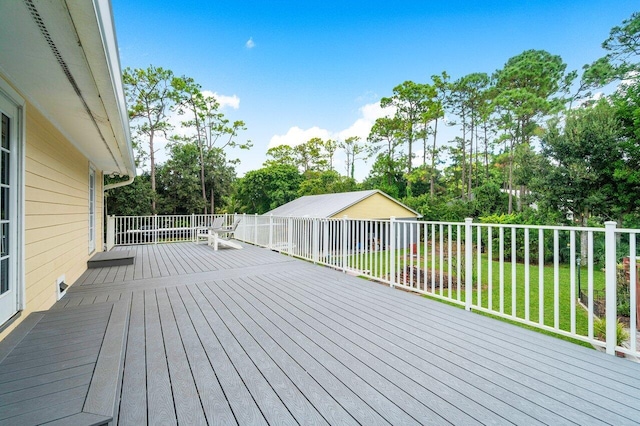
[(8, 208)]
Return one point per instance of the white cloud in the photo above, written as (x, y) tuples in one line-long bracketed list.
[(250, 44), (369, 113), (296, 136), (224, 100), (362, 126)]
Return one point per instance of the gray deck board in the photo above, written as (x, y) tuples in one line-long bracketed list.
[(185, 395), (397, 389), (264, 395), (548, 379), (291, 396), (189, 335), (214, 403), (433, 365), (159, 397), (245, 409), (133, 403)]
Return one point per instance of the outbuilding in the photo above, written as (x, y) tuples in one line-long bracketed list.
[(371, 204), (367, 215)]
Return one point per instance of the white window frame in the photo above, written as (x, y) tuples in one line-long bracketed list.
[(92, 208), (8, 92)]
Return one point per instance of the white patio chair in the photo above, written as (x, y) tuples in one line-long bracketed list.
[(205, 233)]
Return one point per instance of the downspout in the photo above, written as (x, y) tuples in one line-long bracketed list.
[(119, 184)]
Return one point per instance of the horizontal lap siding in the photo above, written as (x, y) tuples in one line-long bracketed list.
[(376, 206), (56, 211)]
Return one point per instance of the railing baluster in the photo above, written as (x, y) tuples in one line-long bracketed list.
[(527, 276), (501, 283), (449, 260), (541, 276), (479, 264), (514, 263), (490, 267), (572, 279)]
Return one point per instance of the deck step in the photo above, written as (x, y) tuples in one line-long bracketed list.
[(111, 258)]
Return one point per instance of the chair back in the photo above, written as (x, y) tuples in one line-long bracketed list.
[(217, 223)]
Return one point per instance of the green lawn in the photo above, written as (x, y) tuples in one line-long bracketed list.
[(377, 264)]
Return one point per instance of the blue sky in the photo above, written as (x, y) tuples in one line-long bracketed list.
[(317, 68)]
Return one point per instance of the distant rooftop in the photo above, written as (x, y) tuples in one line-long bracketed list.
[(332, 205)]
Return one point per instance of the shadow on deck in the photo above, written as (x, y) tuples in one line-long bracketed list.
[(193, 336)]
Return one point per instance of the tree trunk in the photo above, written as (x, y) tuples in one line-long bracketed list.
[(486, 152), (204, 190), (584, 242), (510, 177), (152, 160), (212, 201), (464, 156), (433, 162), (470, 177)]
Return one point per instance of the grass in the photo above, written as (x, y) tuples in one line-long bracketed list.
[(510, 298)]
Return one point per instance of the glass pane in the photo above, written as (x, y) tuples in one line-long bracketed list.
[(5, 131), (4, 203), (4, 276), (4, 168), (4, 240)]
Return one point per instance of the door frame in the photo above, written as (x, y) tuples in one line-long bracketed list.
[(18, 247)]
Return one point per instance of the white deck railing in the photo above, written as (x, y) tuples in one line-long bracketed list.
[(533, 275), (131, 230)]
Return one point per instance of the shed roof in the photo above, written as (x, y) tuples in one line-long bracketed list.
[(330, 205)]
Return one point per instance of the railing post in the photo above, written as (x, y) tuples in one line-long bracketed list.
[(255, 229), (325, 240), (270, 231), (194, 231), (155, 229), (111, 232), (392, 251), (244, 225), (468, 264), (315, 240), (345, 236), (289, 235), (610, 285)]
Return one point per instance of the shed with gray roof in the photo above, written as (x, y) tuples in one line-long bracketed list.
[(371, 204)]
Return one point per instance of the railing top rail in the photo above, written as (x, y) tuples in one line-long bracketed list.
[(546, 227)]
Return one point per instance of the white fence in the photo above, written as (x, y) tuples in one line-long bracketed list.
[(533, 275), (131, 230), (559, 279)]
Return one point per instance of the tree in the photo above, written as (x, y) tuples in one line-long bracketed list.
[(281, 154), (134, 199), (179, 180), (325, 182), (434, 112), (149, 95), (386, 131), (529, 86), (262, 190), (410, 101), (579, 160), (352, 150), (467, 98), (211, 130)]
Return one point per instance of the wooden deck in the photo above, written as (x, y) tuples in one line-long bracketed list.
[(191, 336)]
